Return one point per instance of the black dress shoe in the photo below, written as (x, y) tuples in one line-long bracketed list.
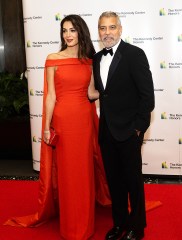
[(114, 234), (133, 235)]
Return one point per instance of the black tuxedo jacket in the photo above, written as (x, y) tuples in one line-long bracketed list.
[(128, 99)]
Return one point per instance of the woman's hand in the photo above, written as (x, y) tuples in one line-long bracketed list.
[(94, 95), (46, 136)]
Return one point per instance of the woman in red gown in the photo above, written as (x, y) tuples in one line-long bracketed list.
[(67, 184)]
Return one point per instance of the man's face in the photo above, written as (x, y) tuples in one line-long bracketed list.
[(109, 31)]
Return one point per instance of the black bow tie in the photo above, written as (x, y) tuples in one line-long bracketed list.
[(106, 51)]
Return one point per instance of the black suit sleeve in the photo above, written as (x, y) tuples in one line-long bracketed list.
[(142, 77)]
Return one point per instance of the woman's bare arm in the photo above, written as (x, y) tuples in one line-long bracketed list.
[(50, 102), (93, 94)]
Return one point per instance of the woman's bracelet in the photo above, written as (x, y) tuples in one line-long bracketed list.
[(46, 131)]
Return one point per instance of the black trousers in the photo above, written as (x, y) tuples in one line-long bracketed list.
[(123, 167)]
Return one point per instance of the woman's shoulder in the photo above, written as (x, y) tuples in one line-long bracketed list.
[(61, 58), (55, 56), (54, 59)]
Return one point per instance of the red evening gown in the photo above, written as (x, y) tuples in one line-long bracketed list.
[(72, 119)]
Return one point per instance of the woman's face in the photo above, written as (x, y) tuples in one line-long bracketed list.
[(70, 34)]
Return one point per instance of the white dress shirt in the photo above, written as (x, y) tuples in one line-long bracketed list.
[(105, 64)]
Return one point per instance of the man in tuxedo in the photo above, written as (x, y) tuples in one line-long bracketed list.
[(124, 81)]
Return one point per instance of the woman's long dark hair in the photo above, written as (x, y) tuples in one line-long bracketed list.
[(86, 48)]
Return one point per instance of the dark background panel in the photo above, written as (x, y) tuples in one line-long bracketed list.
[(11, 17), (15, 141)]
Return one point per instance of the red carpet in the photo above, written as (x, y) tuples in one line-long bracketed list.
[(18, 198)]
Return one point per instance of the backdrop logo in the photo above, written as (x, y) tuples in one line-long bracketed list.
[(180, 38), (180, 141), (38, 93), (130, 13), (163, 65), (32, 18), (163, 115), (28, 44), (174, 11), (34, 116), (31, 92), (180, 90), (162, 12), (57, 17), (34, 139), (152, 140), (164, 165), (175, 166), (171, 116), (175, 64), (175, 116), (38, 44), (141, 40), (158, 89)]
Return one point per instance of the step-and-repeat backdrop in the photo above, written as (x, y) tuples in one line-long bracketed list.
[(154, 26)]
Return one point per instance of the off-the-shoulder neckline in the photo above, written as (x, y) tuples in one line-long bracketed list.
[(58, 59)]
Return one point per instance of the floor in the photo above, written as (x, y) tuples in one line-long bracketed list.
[(17, 170), (23, 170)]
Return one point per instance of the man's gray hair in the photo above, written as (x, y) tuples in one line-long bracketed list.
[(110, 14)]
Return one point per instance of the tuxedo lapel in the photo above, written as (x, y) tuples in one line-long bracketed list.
[(113, 66), (115, 62)]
